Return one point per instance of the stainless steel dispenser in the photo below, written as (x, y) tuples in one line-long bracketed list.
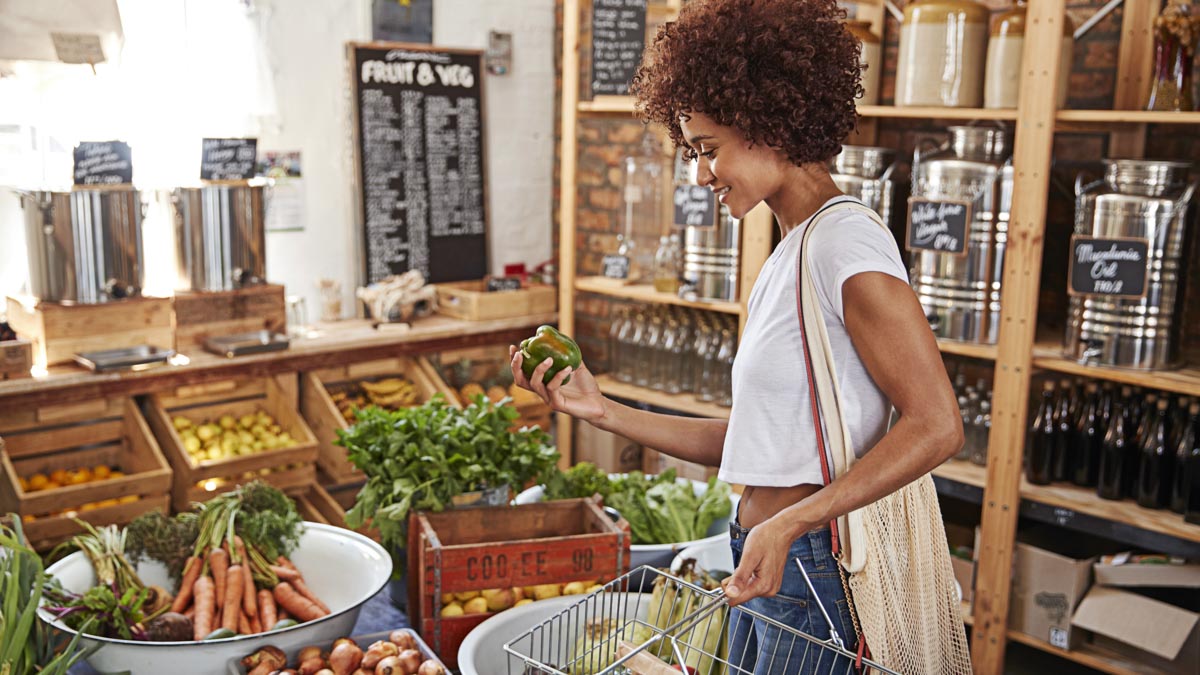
[(710, 258), (865, 173), (220, 236), (1147, 200), (961, 293), (84, 246)]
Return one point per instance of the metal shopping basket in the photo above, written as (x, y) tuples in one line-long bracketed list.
[(619, 630)]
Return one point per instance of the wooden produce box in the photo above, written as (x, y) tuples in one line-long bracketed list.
[(59, 331), (106, 432), (475, 549), (285, 468), (320, 410), (16, 359), (317, 504), (488, 368), (199, 315), (471, 301)]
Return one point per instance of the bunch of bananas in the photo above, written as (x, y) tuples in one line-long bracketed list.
[(390, 393), (671, 602)]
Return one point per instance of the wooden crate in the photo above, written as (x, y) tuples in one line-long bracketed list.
[(59, 331), (286, 468), (111, 432), (655, 462), (16, 359), (323, 416), (315, 503), (470, 300), (489, 367), (474, 549), (201, 314)]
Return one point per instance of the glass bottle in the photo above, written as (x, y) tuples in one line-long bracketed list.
[(624, 357), (1087, 439), (1063, 450), (686, 374), (706, 391), (1040, 467), (982, 428), (637, 370), (648, 375), (1112, 455), (642, 215), (1187, 460), (1154, 471), (615, 349), (725, 369), (966, 410), (666, 274), (1175, 33), (1133, 457), (669, 363)]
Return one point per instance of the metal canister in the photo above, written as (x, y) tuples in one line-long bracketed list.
[(1146, 200), (710, 258), (865, 173), (84, 246), (961, 293), (220, 236)]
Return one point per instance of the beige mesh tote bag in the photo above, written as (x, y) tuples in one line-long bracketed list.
[(894, 554)]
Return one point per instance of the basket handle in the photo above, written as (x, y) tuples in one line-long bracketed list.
[(834, 637)]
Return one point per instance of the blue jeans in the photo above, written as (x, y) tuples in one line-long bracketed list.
[(759, 648)]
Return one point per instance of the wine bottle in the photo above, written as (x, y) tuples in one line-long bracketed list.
[(1187, 460), (1087, 439), (1154, 471), (1063, 450), (1112, 454), (1040, 460)]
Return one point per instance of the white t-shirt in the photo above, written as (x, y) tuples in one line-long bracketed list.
[(770, 439)]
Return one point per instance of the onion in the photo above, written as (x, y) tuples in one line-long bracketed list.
[(345, 658), (431, 667), (376, 653), (390, 666), (402, 639), (410, 659)]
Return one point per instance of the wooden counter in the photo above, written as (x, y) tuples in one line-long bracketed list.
[(329, 344)]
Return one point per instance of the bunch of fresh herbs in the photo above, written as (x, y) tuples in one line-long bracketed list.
[(422, 457)]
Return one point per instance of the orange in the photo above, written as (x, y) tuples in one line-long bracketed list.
[(101, 472), (128, 499), (38, 481), (59, 476), (108, 502), (79, 477), (52, 485), (91, 506), (116, 474), (28, 518)]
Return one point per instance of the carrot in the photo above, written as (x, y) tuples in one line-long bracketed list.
[(285, 573), (190, 572), (296, 604), (283, 613), (255, 625), (243, 624), (233, 598), (267, 614), (206, 607), (304, 590), (191, 611), (218, 561), (249, 599), (284, 562)]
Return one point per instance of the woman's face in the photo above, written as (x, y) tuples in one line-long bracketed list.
[(739, 174)]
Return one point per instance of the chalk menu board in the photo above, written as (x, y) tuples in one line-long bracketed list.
[(1113, 267), (228, 158), (695, 206), (418, 122), (103, 163), (939, 225), (618, 38)]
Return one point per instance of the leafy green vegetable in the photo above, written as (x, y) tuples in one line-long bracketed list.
[(156, 536), (578, 482), (422, 457), (99, 611)]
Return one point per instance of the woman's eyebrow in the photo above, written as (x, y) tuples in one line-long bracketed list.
[(699, 137)]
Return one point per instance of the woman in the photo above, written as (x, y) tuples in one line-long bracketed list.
[(762, 92)]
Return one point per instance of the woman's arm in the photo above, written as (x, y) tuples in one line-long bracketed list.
[(694, 440), (892, 336)]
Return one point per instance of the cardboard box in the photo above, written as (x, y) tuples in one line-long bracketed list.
[(961, 537), (608, 451), (1147, 574), (16, 359), (655, 462), (1051, 574), (1153, 633)]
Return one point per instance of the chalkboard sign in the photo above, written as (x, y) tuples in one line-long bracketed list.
[(228, 158), (939, 225), (615, 266), (1108, 266), (103, 163), (420, 160), (695, 206), (618, 38), (503, 284)]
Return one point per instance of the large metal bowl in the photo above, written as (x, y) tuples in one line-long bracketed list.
[(343, 568)]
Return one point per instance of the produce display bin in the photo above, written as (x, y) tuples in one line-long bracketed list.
[(58, 331), (317, 404), (285, 468), (470, 300), (471, 549), (198, 315), (485, 370), (69, 442), (316, 504)]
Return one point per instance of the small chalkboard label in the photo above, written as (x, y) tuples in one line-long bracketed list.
[(103, 163), (228, 158), (618, 39), (938, 225), (503, 284), (615, 266), (1109, 266), (695, 206)]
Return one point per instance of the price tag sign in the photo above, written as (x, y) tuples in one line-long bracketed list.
[(1114, 267), (618, 38), (695, 206), (503, 284), (615, 266), (228, 158), (938, 225), (103, 163)]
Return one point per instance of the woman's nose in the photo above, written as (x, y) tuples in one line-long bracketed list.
[(704, 176)]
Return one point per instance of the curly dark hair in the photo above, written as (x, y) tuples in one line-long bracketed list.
[(783, 72)]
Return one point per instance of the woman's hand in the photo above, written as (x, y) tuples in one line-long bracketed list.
[(579, 398), (764, 556)]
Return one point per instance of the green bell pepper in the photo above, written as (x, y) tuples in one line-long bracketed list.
[(549, 343)]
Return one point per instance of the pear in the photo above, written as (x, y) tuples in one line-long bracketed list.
[(499, 599), (247, 421), (593, 588), (181, 423), (452, 610), (475, 606), (227, 422), (543, 591), (524, 601), (573, 588), (447, 598), (205, 433), (466, 595), (191, 444)]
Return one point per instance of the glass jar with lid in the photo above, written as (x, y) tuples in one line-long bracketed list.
[(870, 58), (943, 45), (642, 213), (1175, 34), (1002, 79)]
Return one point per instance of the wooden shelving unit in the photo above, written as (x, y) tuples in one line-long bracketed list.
[(1087, 655), (685, 403), (645, 293), (999, 488)]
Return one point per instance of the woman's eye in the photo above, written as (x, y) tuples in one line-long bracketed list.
[(709, 153)]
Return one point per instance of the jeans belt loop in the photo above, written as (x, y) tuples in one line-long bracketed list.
[(737, 531)]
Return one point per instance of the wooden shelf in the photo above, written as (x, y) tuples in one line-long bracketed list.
[(927, 112), (646, 293), (1047, 354), (1091, 656), (1126, 117), (963, 472), (968, 349), (607, 105), (685, 403)]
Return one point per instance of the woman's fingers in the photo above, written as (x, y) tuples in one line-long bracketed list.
[(537, 379), (518, 374)]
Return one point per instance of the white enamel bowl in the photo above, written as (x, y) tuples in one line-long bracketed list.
[(659, 555), (712, 556), (343, 568)]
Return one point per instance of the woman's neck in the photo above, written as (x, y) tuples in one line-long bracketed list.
[(805, 190)]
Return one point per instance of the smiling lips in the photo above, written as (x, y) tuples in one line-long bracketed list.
[(722, 193)]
